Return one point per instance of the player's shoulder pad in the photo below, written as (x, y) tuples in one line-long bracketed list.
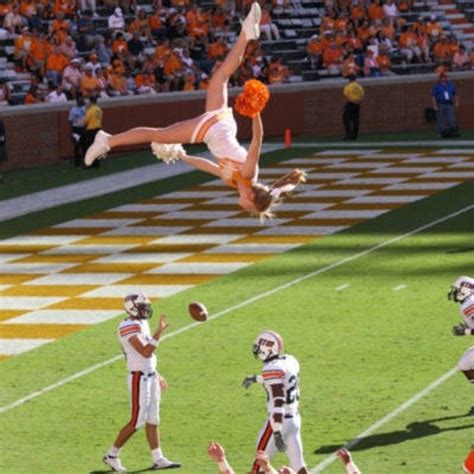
[(274, 370), (467, 307), (127, 327)]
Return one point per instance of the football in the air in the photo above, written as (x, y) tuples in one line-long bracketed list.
[(198, 311)]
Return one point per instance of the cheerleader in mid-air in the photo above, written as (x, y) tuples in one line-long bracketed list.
[(217, 128)]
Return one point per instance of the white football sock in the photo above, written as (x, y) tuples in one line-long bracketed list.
[(156, 454), (114, 452)]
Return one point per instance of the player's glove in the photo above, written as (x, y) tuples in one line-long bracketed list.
[(459, 330), (249, 380), (279, 443)]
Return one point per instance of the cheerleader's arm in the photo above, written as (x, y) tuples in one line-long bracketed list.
[(202, 164), (250, 167)]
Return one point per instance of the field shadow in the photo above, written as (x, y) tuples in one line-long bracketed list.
[(415, 430), (105, 471)]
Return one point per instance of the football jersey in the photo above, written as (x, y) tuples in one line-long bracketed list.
[(467, 311), (135, 361), (284, 370)]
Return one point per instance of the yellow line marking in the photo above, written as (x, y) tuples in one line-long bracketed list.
[(48, 290), (89, 303), (38, 331), (6, 314)]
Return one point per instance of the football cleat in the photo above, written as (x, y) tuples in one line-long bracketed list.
[(98, 149), (164, 463), (114, 463), (250, 26)]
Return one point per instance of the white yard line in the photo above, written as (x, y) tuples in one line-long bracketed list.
[(343, 287), (247, 302), (390, 416), (399, 287)]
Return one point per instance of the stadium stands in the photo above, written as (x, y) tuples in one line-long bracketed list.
[(151, 46)]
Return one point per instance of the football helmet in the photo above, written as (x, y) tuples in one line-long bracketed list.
[(461, 289), (268, 344), (137, 305)]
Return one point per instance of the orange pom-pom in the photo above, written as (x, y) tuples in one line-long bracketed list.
[(253, 98)]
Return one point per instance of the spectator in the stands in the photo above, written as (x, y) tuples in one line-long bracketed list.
[(383, 41), (354, 94), (441, 53), (32, 95), (68, 48), (434, 29), (116, 21), (89, 37), (314, 51), (89, 84), (55, 66), (357, 11), (267, 27), (89, 5), (13, 21), (59, 27), (384, 62), (277, 72), (423, 44), (145, 82), (332, 59), (4, 94), (72, 76), (371, 67), (390, 10), (93, 62), (408, 45), (375, 11), (55, 94), (157, 25), (350, 66), (461, 61), (23, 44), (28, 10), (189, 82), (445, 100), (103, 49), (119, 45), (102, 82), (135, 47), (141, 26)]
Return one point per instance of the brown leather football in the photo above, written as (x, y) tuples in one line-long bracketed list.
[(198, 311)]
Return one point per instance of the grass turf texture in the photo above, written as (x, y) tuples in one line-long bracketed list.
[(363, 352)]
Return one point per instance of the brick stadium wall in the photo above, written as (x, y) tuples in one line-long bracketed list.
[(39, 135)]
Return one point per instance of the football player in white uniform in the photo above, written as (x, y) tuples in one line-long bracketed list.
[(280, 378), (144, 383), (462, 291)]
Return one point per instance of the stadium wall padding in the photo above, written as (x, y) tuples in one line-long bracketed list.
[(40, 135)]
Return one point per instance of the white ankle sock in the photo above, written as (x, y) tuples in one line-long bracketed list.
[(114, 452), (156, 454)]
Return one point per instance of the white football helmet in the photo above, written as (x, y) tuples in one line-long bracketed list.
[(137, 305), (268, 344), (461, 289)]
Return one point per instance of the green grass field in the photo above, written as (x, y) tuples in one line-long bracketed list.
[(363, 352)]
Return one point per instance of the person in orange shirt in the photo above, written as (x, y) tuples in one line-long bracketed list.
[(59, 27), (141, 25), (145, 82), (341, 23), (119, 45), (357, 11), (332, 59), (55, 65), (419, 25), (67, 7), (408, 45), (314, 51), (157, 26), (23, 45), (388, 29), (189, 83), (40, 50), (349, 66), (424, 44), (163, 48), (365, 31), (89, 84), (453, 46), (434, 29), (172, 64), (328, 23), (384, 62), (217, 49), (32, 95), (375, 11), (441, 52), (117, 84), (204, 82), (28, 9)]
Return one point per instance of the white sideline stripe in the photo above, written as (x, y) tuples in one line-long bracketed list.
[(399, 287), (284, 286), (400, 409), (343, 287)]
